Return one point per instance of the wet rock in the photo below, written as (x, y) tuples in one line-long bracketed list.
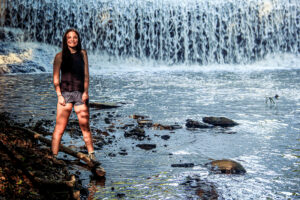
[(183, 165), (112, 155), (146, 146), (98, 131), (111, 130), (127, 126), (98, 145), (201, 188), (42, 127), (195, 124), (102, 105), (226, 167), (7, 119), (2, 124), (138, 117), (166, 127), (30, 171), (143, 123), (120, 195), (73, 129), (137, 133), (219, 121), (123, 153), (165, 137), (107, 120)]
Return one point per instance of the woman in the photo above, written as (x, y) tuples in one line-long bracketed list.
[(72, 64)]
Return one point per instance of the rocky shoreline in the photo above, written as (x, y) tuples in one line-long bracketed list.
[(29, 171), (19, 179)]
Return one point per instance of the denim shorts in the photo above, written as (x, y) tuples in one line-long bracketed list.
[(73, 97)]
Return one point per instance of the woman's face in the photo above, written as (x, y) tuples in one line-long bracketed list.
[(72, 39)]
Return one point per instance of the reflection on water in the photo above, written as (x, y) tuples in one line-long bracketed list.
[(266, 142)]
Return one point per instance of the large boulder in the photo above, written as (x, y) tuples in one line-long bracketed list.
[(219, 121), (226, 167)]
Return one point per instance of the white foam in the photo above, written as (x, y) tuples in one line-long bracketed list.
[(106, 65)]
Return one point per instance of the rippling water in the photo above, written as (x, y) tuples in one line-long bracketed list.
[(266, 142)]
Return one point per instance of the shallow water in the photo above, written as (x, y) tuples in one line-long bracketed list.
[(266, 142)]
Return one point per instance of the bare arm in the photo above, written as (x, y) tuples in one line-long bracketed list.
[(56, 74), (85, 95)]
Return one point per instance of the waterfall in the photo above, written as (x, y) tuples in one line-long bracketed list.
[(168, 31)]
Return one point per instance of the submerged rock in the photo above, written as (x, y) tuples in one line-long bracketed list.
[(138, 117), (42, 126), (146, 146), (166, 127), (144, 122), (195, 124), (137, 133), (226, 167), (201, 188), (103, 105), (165, 137), (219, 121), (183, 165)]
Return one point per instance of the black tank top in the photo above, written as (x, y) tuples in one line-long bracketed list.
[(72, 74)]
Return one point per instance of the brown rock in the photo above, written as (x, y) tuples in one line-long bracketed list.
[(226, 167)]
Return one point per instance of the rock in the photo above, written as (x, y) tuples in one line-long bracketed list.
[(103, 105), (195, 124), (183, 165), (120, 195), (144, 122), (146, 146), (31, 170), (112, 155), (226, 167), (166, 127), (42, 126), (165, 137), (136, 133), (107, 120), (123, 153), (219, 121), (126, 126), (138, 117), (202, 188)]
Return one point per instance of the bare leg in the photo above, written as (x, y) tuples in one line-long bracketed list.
[(62, 117), (83, 115)]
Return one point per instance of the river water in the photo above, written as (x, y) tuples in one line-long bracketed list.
[(171, 61), (266, 142)]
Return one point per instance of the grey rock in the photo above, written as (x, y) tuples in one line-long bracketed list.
[(219, 121)]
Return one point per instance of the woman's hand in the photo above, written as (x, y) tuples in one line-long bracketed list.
[(61, 100), (85, 97)]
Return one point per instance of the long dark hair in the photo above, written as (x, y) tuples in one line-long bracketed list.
[(66, 54)]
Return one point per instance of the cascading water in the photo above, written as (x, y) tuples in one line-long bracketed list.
[(169, 60), (191, 32)]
